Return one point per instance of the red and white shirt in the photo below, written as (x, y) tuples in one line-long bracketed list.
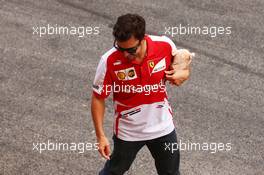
[(142, 111)]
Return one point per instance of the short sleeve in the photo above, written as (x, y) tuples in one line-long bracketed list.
[(173, 46), (102, 84)]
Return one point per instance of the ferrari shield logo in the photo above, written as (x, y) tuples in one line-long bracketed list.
[(151, 64)]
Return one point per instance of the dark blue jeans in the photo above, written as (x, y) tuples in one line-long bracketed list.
[(167, 162)]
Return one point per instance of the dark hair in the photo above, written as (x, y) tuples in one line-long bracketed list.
[(129, 25)]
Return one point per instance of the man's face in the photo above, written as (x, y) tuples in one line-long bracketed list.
[(130, 48)]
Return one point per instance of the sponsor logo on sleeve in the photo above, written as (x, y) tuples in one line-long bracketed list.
[(118, 62)]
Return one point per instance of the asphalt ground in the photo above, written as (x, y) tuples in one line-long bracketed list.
[(46, 84)]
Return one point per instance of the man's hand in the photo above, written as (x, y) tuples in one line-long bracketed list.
[(104, 147), (179, 69), (177, 77), (97, 109)]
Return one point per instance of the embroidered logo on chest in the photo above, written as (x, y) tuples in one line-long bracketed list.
[(159, 66), (126, 74)]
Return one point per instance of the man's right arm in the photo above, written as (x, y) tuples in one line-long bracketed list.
[(98, 109)]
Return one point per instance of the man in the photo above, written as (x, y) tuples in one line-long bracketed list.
[(135, 70)]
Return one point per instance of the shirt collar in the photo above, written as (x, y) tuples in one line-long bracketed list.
[(150, 47), (150, 50)]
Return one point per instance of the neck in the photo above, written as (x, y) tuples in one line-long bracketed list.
[(143, 52)]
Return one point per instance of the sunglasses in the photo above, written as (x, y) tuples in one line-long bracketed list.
[(131, 50)]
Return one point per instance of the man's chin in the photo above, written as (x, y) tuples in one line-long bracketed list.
[(131, 57)]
